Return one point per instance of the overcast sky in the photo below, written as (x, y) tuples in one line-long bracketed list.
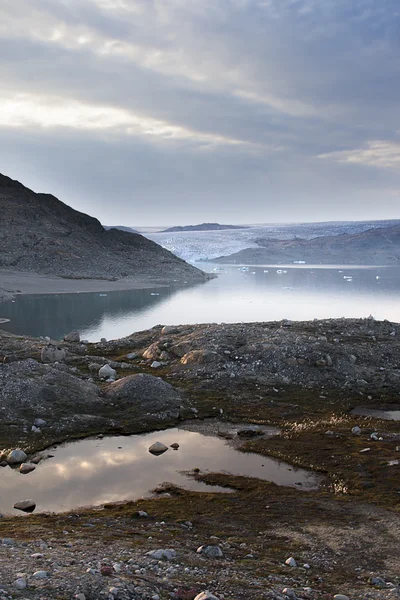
[(152, 112)]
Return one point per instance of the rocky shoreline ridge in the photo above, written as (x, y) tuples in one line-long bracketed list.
[(304, 378)]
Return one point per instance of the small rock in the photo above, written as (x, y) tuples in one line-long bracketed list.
[(106, 571), (16, 457), (340, 597), (158, 448), (35, 429), (25, 505), (114, 592), (175, 446), (289, 593), (249, 431), (73, 336), (210, 551), (131, 356), (155, 364), (51, 354), (107, 372), (80, 597), (356, 430), (206, 596), (26, 468), (290, 562), (40, 574), (20, 583), (167, 554)]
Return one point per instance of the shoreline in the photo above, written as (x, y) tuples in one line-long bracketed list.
[(26, 283)]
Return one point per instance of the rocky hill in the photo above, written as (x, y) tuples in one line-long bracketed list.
[(39, 233), (203, 227), (373, 247)]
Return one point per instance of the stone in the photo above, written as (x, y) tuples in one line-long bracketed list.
[(16, 457), (106, 571), (210, 551), (158, 448), (20, 583), (289, 593), (152, 352), (167, 554), (131, 356), (106, 371), (168, 329), (290, 562), (249, 431), (356, 430), (175, 446), (40, 574), (155, 364), (40, 423), (340, 597), (80, 597), (73, 336), (206, 596), (35, 429), (114, 592), (149, 394), (52, 354), (26, 468), (181, 349), (200, 357), (25, 505)]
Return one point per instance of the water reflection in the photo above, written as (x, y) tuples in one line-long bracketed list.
[(257, 294), (93, 471), (385, 415)]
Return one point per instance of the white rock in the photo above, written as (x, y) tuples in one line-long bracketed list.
[(40, 574), (210, 551), (340, 597), (290, 562), (16, 457), (26, 468), (158, 448), (40, 423), (356, 430), (107, 372), (20, 583), (35, 429), (131, 355), (80, 597), (167, 554), (206, 596), (155, 364)]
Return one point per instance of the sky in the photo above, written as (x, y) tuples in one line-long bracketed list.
[(172, 112)]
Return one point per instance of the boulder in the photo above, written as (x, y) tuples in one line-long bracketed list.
[(181, 349), (250, 431), (16, 457), (52, 353), (107, 372), (73, 336), (210, 551), (148, 393), (152, 352), (206, 596), (26, 468), (168, 329), (158, 448), (25, 505), (200, 357)]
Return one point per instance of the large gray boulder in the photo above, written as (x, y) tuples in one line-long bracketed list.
[(147, 393), (16, 457)]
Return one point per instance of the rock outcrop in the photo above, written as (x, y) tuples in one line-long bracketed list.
[(39, 233)]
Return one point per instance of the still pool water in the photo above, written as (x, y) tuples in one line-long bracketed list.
[(265, 293), (96, 471)]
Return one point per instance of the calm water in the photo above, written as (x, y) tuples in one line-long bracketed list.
[(386, 415), (259, 294), (94, 471)]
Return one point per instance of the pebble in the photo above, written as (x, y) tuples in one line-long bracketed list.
[(340, 597), (290, 562), (26, 468), (158, 448), (40, 574), (210, 551), (356, 430), (167, 554), (205, 596), (20, 583)]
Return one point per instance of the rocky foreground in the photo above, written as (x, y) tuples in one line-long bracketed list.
[(304, 378)]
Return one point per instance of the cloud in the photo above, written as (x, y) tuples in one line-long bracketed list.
[(228, 103)]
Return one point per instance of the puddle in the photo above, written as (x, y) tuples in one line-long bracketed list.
[(386, 415), (96, 471)]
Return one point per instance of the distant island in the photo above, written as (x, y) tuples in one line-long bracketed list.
[(203, 227)]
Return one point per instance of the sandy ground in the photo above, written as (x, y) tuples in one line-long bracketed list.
[(35, 283)]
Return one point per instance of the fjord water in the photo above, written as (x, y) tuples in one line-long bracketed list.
[(96, 471), (238, 294)]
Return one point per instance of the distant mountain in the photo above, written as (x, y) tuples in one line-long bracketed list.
[(41, 234), (203, 227), (121, 228), (378, 246)]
